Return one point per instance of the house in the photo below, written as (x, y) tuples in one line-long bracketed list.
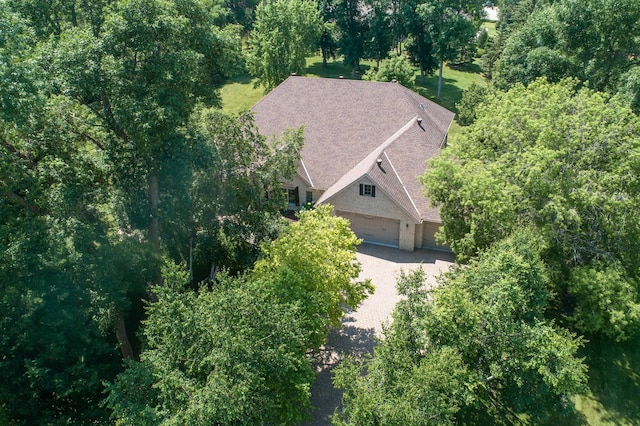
[(365, 144)]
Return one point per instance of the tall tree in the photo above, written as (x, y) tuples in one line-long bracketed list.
[(476, 348), (589, 40), (66, 273), (227, 216), (452, 25), (235, 351), (379, 37), (419, 43), (562, 160), (230, 354), (352, 22), (102, 160), (284, 34), (328, 42), (314, 263)]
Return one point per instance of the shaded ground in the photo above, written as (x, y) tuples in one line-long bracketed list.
[(360, 328)]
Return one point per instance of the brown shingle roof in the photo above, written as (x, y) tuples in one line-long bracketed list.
[(349, 124)]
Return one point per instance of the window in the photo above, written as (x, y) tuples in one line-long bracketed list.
[(292, 196), (309, 197), (367, 190)]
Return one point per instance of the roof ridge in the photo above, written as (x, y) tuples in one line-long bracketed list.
[(403, 185), (306, 172), (347, 178)]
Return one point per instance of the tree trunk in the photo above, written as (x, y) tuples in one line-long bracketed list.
[(154, 228), (123, 339), (440, 81), (191, 260), (154, 225), (421, 74)]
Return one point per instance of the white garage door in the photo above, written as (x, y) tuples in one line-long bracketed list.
[(375, 230)]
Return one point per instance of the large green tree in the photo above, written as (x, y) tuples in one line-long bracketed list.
[(226, 215), (563, 160), (476, 348), (314, 262), (66, 273), (284, 34), (595, 41), (452, 26), (233, 353), (328, 42), (419, 43), (108, 161), (352, 23), (379, 37)]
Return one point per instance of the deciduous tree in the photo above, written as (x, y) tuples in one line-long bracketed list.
[(353, 25), (397, 67), (452, 25), (563, 160), (589, 40), (314, 262), (284, 34), (233, 353), (476, 346)]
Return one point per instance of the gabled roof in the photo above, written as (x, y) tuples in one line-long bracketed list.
[(349, 125)]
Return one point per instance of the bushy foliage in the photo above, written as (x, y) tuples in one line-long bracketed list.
[(284, 34), (629, 88), (476, 346), (589, 40), (472, 99), (230, 354), (563, 160), (314, 263), (235, 352), (396, 67)]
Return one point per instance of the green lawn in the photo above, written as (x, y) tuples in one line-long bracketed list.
[(240, 94), (490, 26), (614, 384)]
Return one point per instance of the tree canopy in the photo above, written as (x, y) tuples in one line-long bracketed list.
[(284, 34), (314, 260), (452, 26), (596, 41), (235, 351), (476, 348), (563, 160), (111, 160), (397, 68)]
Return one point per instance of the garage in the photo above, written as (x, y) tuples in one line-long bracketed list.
[(429, 230), (375, 230)]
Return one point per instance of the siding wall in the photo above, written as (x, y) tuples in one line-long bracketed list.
[(350, 200)]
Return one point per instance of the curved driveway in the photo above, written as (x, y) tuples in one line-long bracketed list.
[(360, 328)]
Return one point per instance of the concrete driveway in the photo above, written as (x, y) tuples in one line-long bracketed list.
[(361, 327)]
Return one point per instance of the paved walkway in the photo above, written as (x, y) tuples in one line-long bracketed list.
[(360, 328)]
